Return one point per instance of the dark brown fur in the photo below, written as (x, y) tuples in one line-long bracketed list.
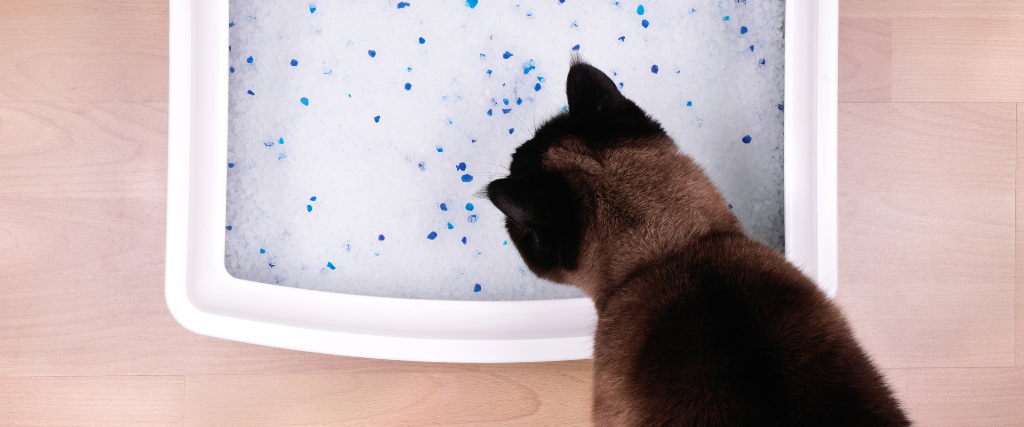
[(698, 325)]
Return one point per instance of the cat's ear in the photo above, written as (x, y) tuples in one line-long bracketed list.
[(544, 216), (597, 108), (590, 92)]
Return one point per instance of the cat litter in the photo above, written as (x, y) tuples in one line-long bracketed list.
[(395, 118)]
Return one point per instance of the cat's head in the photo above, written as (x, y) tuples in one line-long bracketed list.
[(595, 182)]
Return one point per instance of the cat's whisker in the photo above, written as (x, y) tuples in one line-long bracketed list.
[(495, 156)]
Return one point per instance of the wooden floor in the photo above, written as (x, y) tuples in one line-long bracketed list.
[(929, 127)]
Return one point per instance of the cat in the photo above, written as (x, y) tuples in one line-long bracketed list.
[(698, 324)]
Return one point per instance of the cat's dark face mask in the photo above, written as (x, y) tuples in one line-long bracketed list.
[(546, 212)]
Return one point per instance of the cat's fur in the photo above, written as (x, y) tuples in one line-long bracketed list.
[(698, 324)]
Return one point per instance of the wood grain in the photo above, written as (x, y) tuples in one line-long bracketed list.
[(405, 399), (926, 232), (865, 60), (92, 401), (1019, 251), (84, 150), (83, 50), (956, 9), (957, 60), (960, 397)]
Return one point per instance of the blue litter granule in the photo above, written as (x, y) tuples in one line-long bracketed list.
[(689, 103), (488, 72), (519, 101), (231, 165), (471, 219), (781, 108), (506, 243), (228, 227), (408, 86), (422, 166), (507, 55), (271, 264), (730, 205), (692, 11), (422, 40), (450, 226), (482, 56), (469, 206), (372, 53), (304, 101), (471, 3), (380, 237), (251, 92), (536, 87), (269, 143), (432, 235), (528, 66), (232, 69), (645, 23), (231, 24), (505, 101), (439, 149), (408, 69), (622, 39), (746, 139), (654, 69), (312, 8), (726, 18), (403, 4), (463, 240), (743, 30), (640, 10), (249, 60), (621, 85), (461, 166), (565, 108), (444, 207), (511, 130), (280, 141), (281, 156), (309, 208), (263, 251), (294, 63), (476, 287), (762, 61), (312, 199), (489, 112), (376, 119), (506, 110), (541, 79), (330, 266), (467, 178), (751, 48), (577, 47)]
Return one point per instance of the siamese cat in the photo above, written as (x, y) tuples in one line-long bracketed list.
[(698, 324)]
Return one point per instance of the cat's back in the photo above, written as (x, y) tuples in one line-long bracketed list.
[(726, 332)]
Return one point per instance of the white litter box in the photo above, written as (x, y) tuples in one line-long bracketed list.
[(206, 299)]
